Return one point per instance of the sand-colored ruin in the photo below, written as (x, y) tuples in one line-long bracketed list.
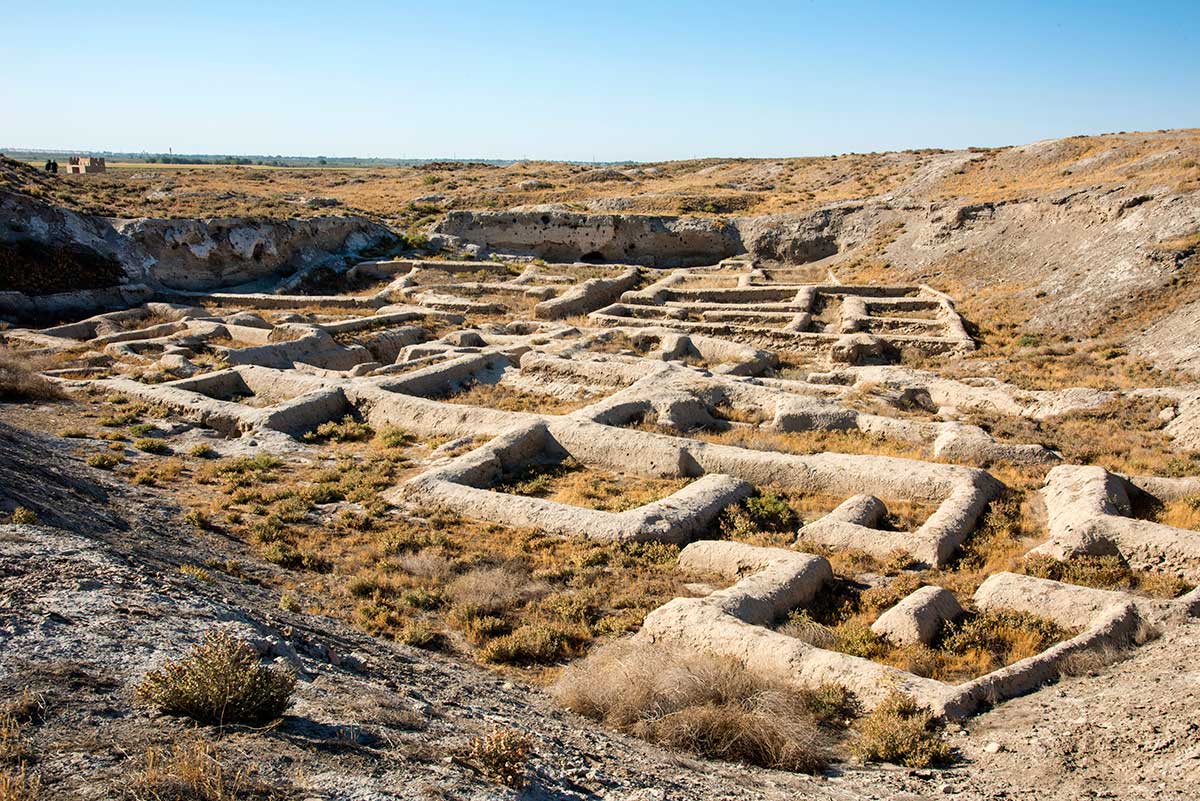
[(620, 368)]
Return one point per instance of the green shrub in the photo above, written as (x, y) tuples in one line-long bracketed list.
[(765, 513), (393, 437), (345, 430), (151, 445), (203, 451), (103, 461), (219, 682)]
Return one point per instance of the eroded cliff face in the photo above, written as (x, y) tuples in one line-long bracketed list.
[(207, 254), (558, 235), (649, 240), (163, 254)]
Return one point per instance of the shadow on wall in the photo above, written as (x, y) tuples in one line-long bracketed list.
[(36, 268)]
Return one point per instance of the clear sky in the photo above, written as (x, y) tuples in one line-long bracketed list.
[(608, 80)]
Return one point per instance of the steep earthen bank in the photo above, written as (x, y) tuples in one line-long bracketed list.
[(48, 250), (649, 240)]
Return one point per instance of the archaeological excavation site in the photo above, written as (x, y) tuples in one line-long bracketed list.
[(871, 476)]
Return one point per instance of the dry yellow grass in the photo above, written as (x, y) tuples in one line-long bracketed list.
[(1124, 435), (700, 187), (1182, 513), (576, 484), (499, 396), (19, 379), (805, 442), (705, 705), (193, 771)]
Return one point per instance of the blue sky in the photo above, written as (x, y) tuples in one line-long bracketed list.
[(608, 81)]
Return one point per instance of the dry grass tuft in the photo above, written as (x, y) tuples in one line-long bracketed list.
[(706, 705), (20, 381), (219, 682), (901, 731), (503, 756), (492, 589), (499, 396), (573, 483), (20, 785), (1181, 513), (193, 772)]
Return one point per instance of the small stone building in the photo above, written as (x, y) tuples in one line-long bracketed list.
[(77, 164)]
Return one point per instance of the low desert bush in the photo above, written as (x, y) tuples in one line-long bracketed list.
[(152, 445), (345, 430), (419, 634), (390, 437), (220, 682), (203, 451), (503, 756), (196, 573), (1009, 634), (707, 705), (901, 731), (764, 514), (103, 460), (19, 380), (24, 517), (288, 556), (530, 644)]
